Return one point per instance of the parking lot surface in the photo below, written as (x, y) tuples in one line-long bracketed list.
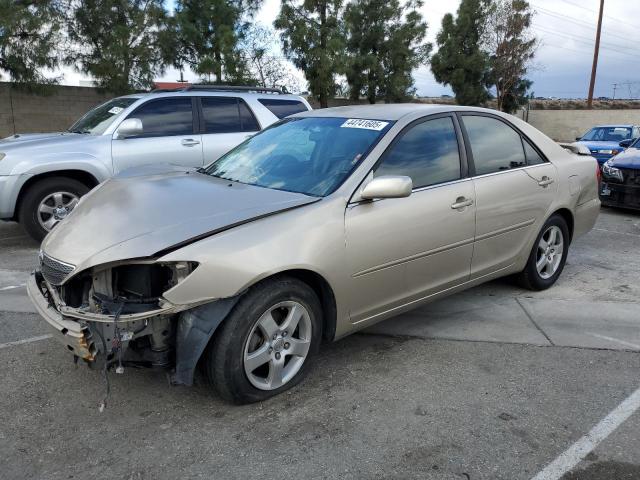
[(493, 383)]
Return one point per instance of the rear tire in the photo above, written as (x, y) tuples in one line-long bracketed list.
[(29, 214), (284, 357), (546, 261)]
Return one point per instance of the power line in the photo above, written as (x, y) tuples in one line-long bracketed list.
[(589, 43), (605, 16)]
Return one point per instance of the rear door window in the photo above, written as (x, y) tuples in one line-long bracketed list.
[(227, 115), (533, 157), (166, 117), (495, 145), (283, 108)]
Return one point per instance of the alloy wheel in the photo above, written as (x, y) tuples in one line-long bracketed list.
[(55, 207), (550, 250), (277, 345)]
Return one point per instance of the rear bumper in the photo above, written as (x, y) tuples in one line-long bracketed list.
[(74, 335), (620, 195)]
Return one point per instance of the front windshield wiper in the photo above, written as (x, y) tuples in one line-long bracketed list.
[(83, 132)]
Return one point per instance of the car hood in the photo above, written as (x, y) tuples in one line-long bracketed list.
[(630, 158), (601, 145), (136, 215)]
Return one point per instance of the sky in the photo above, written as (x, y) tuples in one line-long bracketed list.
[(562, 65)]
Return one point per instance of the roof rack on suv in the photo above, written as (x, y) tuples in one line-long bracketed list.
[(232, 88), (221, 88)]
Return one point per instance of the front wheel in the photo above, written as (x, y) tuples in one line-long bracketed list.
[(47, 202), (548, 256), (265, 345)]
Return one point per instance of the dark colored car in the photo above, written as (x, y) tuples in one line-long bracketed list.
[(604, 141), (621, 178)]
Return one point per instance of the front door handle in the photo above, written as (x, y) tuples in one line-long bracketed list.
[(545, 181), (189, 142), (461, 202)]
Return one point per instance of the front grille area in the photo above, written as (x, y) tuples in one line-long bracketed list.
[(631, 176), (54, 271)]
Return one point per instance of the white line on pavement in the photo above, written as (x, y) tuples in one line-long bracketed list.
[(576, 452), (615, 340), (11, 287), (26, 340)]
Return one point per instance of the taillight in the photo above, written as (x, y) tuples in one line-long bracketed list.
[(598, 174)]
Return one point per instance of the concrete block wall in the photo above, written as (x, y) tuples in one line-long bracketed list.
[(566, 125), (22, 112)]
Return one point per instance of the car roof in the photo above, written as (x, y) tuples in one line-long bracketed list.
[(387, 111)]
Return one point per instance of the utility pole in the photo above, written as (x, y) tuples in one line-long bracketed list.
[(596, 50), (615, 87)]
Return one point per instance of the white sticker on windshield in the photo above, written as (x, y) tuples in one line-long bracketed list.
[(115, 110), (366, 124)]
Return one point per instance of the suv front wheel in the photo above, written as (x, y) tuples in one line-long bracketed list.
[(47, 202)]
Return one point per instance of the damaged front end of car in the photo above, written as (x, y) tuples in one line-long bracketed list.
[(116, 313)]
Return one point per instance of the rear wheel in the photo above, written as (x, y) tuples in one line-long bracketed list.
[(548, 256), (265, 345), (47, 202)]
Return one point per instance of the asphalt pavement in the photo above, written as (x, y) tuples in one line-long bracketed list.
[(493, 383)]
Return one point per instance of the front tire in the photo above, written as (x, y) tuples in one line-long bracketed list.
[(47, 202), (548, 255), (265, 345)]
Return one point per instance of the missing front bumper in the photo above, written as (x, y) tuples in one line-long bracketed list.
[(74, 335)]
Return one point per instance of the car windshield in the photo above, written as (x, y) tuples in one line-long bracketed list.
[(311, 155), (96, 121), (608, 134)]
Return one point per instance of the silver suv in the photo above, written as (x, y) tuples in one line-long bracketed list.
[(42, 176)]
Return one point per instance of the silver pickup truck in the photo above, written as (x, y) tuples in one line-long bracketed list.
[(43, 176)]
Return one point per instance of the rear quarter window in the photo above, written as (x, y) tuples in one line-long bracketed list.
[(283, 108)]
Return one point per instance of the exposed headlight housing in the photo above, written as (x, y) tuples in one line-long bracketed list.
[(612, 173)]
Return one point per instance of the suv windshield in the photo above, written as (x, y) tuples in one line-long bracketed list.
[(608, 134), (306, 155), (96, 121)]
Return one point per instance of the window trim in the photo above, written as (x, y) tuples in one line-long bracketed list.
[(464, 167), (194, 117), (523, 136), (202, 128)]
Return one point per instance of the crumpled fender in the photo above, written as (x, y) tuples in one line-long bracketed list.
[(195, 328)]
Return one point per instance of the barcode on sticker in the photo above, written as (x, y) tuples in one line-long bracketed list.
[(367, 124)]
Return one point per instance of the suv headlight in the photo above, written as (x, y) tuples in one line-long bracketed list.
[(612, 173)]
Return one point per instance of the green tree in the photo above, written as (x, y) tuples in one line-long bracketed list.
[(511, 47), (460, 60), (118, 42), (29, 32), (208, 33), (312, 38), (382, 56)]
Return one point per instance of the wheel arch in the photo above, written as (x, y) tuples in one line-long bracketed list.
[(81, 176), (567, 215)]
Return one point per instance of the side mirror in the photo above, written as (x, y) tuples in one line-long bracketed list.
[(390, 186), (626, 143), (578, 139), (131, 127)]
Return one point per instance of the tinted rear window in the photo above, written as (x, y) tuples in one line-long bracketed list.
[(283, 108), (227, 115)]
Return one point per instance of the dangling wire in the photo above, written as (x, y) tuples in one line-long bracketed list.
[(105, 367)]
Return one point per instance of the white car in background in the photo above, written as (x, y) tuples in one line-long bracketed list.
[(43, 176)]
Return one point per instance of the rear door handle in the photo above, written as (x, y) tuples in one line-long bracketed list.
[(545, 181), (189, 142), (461, 202)]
